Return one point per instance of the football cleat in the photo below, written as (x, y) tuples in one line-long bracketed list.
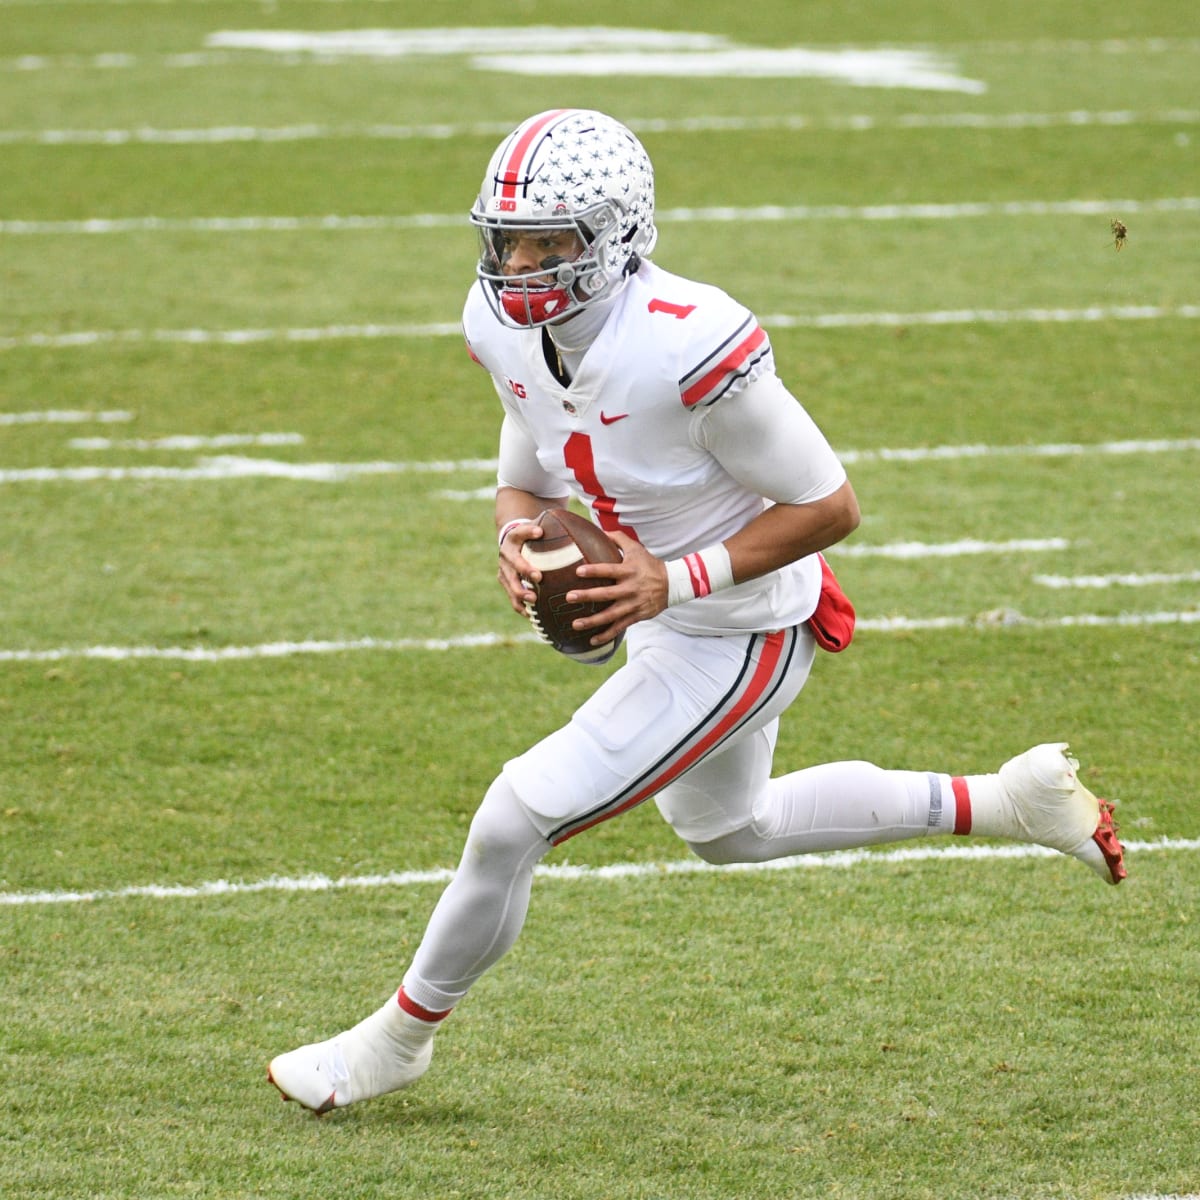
[(1048, 805), (382, 1054)]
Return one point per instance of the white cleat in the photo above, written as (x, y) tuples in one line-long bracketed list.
[(1049, 806), (386, 1052)]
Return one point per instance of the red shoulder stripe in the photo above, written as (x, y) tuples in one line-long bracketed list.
[(731, 365)]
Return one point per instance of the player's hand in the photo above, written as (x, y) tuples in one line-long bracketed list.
[(638, 591), (515, 573)]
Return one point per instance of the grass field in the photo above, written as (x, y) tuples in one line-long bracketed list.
[(255, 672)]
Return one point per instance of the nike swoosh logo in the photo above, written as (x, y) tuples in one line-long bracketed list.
[(605, 420)]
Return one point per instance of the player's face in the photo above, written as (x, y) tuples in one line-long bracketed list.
[(525, 251)]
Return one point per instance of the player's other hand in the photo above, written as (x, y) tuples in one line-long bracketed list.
[(515, 573), (638, 591)]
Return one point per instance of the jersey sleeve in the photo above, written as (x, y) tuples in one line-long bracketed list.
[(476, 326), (768, 442), (733, 353), (519, 466)]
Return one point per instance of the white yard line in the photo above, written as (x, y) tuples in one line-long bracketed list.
[(785, 122), (64, 417), (907, 550), (837, 860), (188, 441), (236, 467), (1004, 618), (1153, 579), (332, 56), (722, 214), (85, 339)]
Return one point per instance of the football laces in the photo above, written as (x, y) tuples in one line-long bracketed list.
[(531, 613)]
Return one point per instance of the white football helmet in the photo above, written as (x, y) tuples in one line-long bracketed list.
[(567, 169)]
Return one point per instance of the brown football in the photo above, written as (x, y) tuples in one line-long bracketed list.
[(567, 541)]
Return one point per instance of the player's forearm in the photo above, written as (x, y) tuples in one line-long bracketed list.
[(512, 504), (787, 532)]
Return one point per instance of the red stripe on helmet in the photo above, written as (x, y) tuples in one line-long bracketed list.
[(510, 174)]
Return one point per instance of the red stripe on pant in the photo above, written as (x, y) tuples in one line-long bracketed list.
[(773, 645)]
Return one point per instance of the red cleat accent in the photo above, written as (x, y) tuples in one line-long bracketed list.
[(320, 1110), (1106, 838)]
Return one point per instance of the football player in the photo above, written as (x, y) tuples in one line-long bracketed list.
[(654, 400)]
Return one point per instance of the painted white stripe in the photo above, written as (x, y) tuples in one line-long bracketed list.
[(245, 337), (221, 654), (793, 123), (332, 223), (564, 873), (454, 39), (1034, 450), (416, 42), (459, 496), (455, 43), (1010, 618), (886, 68), (725, 214), (1124, 580), (188, 441), (64, 417), (999, 618), (985, 316), (225, 337), (947, 549), (232, 467), (931, 212)]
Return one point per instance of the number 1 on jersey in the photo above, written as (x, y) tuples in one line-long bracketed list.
[(577, 454), (678, 311)]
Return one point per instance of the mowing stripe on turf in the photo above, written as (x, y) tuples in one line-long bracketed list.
[(836, 860)]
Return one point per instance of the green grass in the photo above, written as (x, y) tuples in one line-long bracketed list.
[(996, 1028)]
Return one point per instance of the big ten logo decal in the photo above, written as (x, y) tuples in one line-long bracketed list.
[(517, 389)]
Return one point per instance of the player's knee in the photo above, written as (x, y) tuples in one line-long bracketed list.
[(719, 852), (740, 846), (501, 828)]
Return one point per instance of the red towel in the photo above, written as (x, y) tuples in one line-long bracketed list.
[(833, 622)]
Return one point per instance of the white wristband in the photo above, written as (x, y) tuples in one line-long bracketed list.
[(509, 526), (699, 574)]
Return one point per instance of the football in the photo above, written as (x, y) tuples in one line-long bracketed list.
[(568, 540)]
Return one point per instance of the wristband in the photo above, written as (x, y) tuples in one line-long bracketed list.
[(699, 574), (509, 526)]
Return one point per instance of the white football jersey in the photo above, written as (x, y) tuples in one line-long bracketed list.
[(628, 436)]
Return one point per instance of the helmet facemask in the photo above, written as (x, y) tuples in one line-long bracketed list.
[(571, 276)]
